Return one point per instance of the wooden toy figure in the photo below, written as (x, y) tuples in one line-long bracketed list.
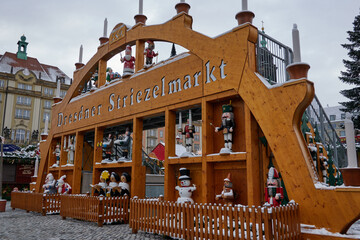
[(149, 53), (57, 154), (62, 186), (109, 74), (227, 126), (227, 194), (71, 150), (185, 190), (100, 188), (188, 131), (114, 185), (273, 191), (49, 186), (124, 184), (125, 145), (129, 62)]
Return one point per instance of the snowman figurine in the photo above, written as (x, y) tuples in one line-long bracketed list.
[(185, 190)]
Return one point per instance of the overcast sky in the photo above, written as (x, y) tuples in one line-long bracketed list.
[(56, 29)]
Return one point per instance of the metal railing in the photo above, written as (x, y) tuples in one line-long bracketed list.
[(327, 133), (272, 58)]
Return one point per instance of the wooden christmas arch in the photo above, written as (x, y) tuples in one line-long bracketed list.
[(214, 71)]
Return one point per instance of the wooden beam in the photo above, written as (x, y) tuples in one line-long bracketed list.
[(98, 139), (138, 171), (79, 143), (102, 72), (139, 59), (169, 179), (252, 159)]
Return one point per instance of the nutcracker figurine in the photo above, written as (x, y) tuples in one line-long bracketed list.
[(149, 53), (273, 191), (188, 131), (185, 190), (129, 62), (227, 126), (227, 194)]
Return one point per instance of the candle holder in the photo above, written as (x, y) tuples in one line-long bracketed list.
[(182, 7), (244, 17), (298, 70), (44, 136), (140, 18), (57, 99), (103, 40), (79, 65)]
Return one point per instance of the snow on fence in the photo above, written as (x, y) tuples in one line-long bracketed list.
[(36, 202), (206, 221), (95, 209)]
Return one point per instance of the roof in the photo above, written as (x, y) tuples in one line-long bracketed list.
[(159, 150), (41, 71)]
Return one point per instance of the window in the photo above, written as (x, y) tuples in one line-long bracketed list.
[(153, 132), (343, 116), (46, 114), (24, 86), (20, 136), (22, 113), (197, 129), (47, 104), (196, 137), (332, 117), (62, 93), (161, 133), (2, 83), (342, 134), (49, 91), (23, 100)]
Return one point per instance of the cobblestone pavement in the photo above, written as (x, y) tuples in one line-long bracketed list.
[(19, 225)]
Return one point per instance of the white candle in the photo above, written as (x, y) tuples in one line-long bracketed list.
[(244, 5), (190, 118), (58, 89), (81, 54), (46, 124), (182, 1), (105, 27), (140, 7), (296, 44), (180, 120)]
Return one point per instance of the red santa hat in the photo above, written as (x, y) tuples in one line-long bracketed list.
[(273, 173), (227, 178), (128, 48)]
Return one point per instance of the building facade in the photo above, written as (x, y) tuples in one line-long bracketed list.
[(27, 89)]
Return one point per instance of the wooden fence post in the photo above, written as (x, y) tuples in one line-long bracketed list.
[(100, 212)]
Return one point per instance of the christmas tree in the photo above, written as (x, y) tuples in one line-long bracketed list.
[(352, 73)]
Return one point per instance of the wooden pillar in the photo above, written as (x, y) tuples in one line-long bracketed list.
[(79, 143), (169, 179), (207, 116), (99, 135), (63, 154), (252, 159), (138, 171), (102, 72), (139, 59)]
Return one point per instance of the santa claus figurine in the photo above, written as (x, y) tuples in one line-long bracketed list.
[(227, 194), (129, 62), (273, 191), (149, 53), (227, 126), (185, 190), (62, 186), (49, 186)]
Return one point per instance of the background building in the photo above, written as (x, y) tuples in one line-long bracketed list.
[(27, 88)]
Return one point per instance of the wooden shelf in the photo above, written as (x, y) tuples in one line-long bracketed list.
[(113, 165), (67, 168), (54, 169), (241, 156), (186, 160)]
